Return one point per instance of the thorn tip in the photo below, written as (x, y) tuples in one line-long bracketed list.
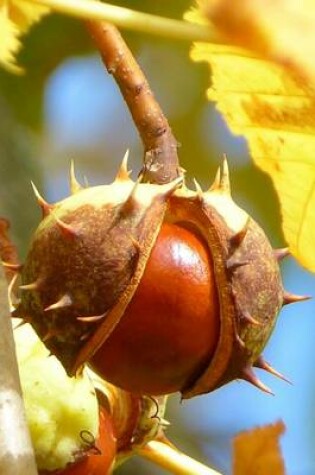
[(46, 207), (262, 364), (64, 301), (240, 341), (168, 188), (199, 192), (31, 286), (246, 316), (75, 186), (249, 376), (222, 178), (288, 298), (281, 253), (92, 318), (232, 264), (123, 173), (67, 230)]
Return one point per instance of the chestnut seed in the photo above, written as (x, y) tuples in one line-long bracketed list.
[(170, 329)]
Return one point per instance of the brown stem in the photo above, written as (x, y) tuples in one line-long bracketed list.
[(167, 456), (16, 451), (161, 163)]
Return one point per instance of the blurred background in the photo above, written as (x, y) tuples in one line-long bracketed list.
[(67, 107)]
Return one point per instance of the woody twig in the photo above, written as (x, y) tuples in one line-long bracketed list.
[(160, 147)]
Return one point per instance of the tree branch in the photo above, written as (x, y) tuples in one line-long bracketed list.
[(173, 460), (16, 451), (133, 20), (160, 160)]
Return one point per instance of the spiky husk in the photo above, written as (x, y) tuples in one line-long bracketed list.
[(89, 253), (247, 276), (85, 261)]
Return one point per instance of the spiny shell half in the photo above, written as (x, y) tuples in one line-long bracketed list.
[(85, 261)]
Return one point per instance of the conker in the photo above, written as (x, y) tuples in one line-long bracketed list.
[(170, 328), (160, 287)]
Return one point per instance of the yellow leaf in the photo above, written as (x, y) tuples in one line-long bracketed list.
[(9, 44), (278, 30), (274, 108), (257, 452), (16, 16)]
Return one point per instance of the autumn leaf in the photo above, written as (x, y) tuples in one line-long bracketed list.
[(273, 106), (278, 30), (257, 452), (9, 43), (16, 17)]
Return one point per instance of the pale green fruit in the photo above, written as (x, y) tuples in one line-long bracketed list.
[(58, 408)]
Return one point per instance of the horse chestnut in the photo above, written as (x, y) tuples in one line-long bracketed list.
[(160, 287), (171, 326)]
